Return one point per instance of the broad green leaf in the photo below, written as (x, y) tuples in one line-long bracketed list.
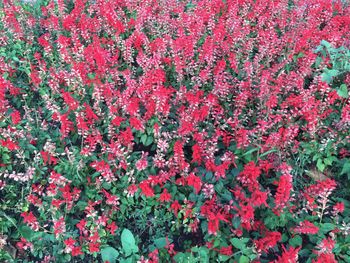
[(26, 232), (128, 242), (109, 254), (343, 91), (243, 259), (328, 75)]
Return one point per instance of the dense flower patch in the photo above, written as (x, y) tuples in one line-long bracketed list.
[(185, 131)]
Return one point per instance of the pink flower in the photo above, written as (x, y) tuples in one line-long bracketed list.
[(142, 163), (131, 190)]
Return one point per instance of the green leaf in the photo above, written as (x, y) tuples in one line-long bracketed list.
[(239, 243), (326, 44), (250, 151), (243, 259), (161, 242), (268, 152), (326, 227), (26, 232), (343, 91), (296, 241), (143, 138), (223, 258), (148, 141), (106, 186), (328, 161), (91, 75), (328, 75), (320, 165), (10, 219), (318, 62), (236, 222), (203, 254), (179, 257), (128, 242), (109, 254), (346, 168)]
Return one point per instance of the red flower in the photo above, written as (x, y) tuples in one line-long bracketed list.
[(306, 227), (249, 176), (81, 225), (165, 196), (24, 244), (325, 258), (9, 144), (95, 237), (213, 223), (16, 117), (69, 242), (289, 255), (59, 226), (197, 154), (226, 251), (30, 219), (176, 207), (194, 181), (284, 189), (146, 189), (94, 247), (112, 227), (339, 207), (132, 189), (259, 198), (247, 215), (48, 158), (269, 241), (76, 251)]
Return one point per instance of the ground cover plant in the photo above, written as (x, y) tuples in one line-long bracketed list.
[(174, 131)]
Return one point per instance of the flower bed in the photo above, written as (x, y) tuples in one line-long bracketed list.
[(174, 131)]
